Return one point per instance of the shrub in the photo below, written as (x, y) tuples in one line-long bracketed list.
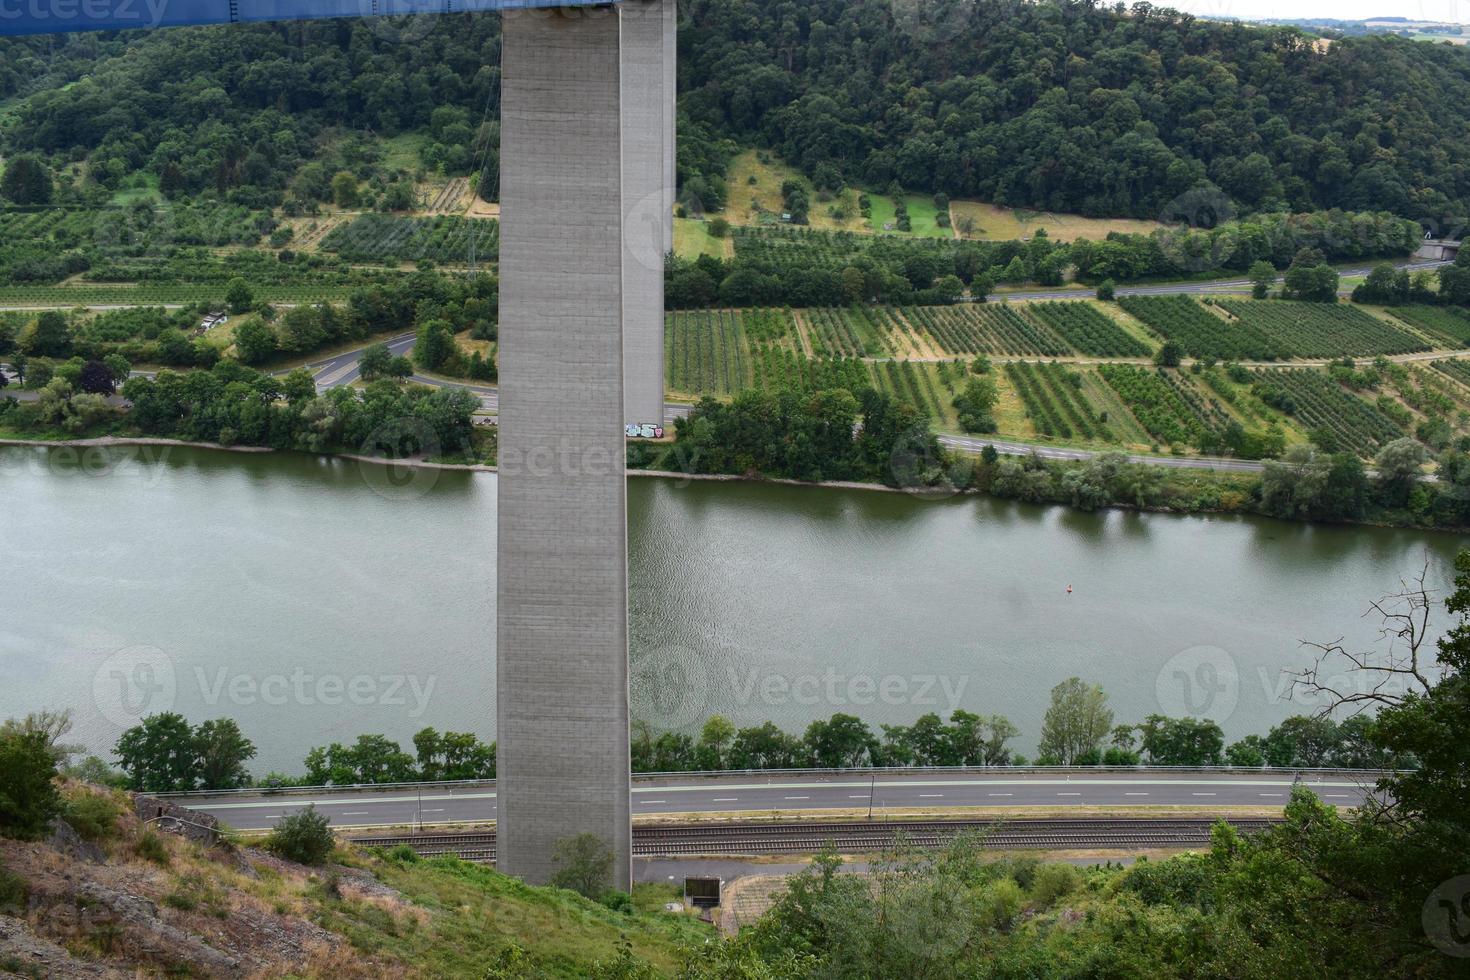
[(13, 892), (1001, 904), (617, 901), (150, 847), (1054, 881), (91, 815), (304, 837), (28, 797), (584, 864)]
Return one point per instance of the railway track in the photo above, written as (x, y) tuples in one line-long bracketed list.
[(859, 837)]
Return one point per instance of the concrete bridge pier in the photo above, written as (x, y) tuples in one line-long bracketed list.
[(562, 614), (648, 28)]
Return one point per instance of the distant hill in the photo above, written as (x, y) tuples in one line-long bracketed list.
[(1053, 107)]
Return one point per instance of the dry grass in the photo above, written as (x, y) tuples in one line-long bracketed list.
[(994, 223), (766, 192)]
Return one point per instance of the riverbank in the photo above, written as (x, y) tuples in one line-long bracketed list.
[(1231, 490)]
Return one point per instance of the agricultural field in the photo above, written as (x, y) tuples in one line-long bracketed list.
[(707, 352), (1086, 329), (987, 222), (1334, 417), (900, 337), (1321, 329), (927, 386), (985, 328), (1449, 325), (1457, 368), (1269, 330), (1056, 402), (138, 229), (842, 333), (392, 239), (1156, 401), (779, 367), (777, 249)]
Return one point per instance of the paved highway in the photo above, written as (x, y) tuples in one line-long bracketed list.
[(747, 794)]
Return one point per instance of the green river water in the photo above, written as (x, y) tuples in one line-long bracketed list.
[(315, 599)]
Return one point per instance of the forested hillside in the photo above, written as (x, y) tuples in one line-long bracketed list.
[(247, 110), (1061, 107), (1071, 107)]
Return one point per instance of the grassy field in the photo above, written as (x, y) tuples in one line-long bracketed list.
[(692, 239), (402, 152), (922, 217), (144, 187), (994, 223), (758, 202)]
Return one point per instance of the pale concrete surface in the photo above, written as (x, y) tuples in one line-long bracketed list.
[(562, 617), (647, 197)]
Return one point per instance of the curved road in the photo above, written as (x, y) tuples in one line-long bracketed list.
[(749, 794)]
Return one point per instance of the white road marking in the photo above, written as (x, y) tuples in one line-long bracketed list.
[(1135, 794), (1201, 794), (1000, 794), (653, 801), (727, 799), (1069, 794), (930, 795), (798, 797)]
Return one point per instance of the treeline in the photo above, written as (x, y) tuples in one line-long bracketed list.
[(1305, 484), (1078, 730), (808, 268), (438, 306), (1093, 109), (1386, 286), (165, 753), (820, 435), (233, 405), (828, 433)]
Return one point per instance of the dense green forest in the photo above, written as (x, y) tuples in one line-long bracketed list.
[(1072, 107), (1065, 107)]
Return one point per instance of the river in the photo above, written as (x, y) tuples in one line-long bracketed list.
[(316, 599)]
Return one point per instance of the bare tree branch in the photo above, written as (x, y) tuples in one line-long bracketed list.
[(1390, 671)]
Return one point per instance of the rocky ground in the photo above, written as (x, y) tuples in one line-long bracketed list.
[(142, 903)]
